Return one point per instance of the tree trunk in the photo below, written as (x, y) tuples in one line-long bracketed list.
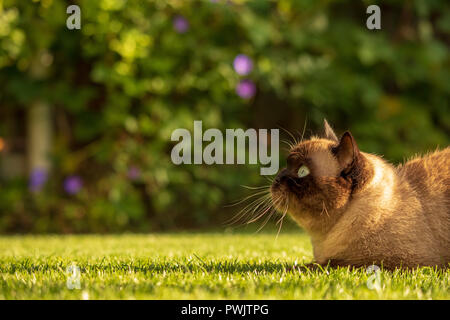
[(39, 120), (39, 136)]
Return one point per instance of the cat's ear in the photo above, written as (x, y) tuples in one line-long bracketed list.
[(346, 151), (329, 133)]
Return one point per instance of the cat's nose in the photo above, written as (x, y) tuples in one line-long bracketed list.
[(283, 173)]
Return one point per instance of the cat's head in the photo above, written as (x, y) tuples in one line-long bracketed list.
[(320, 176)]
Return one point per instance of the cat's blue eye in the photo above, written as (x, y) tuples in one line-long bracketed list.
[(303, 171)]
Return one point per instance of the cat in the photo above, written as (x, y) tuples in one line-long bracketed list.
[(359, 210)]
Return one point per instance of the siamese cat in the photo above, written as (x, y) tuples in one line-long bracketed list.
[(359, 210)]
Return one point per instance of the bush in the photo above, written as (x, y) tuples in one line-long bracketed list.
[(138, 70)]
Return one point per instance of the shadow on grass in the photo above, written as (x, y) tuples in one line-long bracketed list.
[(189, 265), (193, 265)]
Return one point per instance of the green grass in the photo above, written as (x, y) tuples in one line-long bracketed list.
[(192, 266)]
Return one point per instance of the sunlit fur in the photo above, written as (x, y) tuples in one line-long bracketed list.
[(360, 210)]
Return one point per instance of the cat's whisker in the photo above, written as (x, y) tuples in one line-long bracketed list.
[(255, 188), (263, 208), (266, 209), (263, 205), (287, 150), (267, 219), (270, 203), (271, 209), (246, 198), (267, 202), (282, 218), (244, 211), (270, 180), (289, 144), (259, 215), (304, 129), (284, 212), (243, 216), (294, 139), (259, 192)]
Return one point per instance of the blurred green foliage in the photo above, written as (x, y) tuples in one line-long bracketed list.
[(119, 86)]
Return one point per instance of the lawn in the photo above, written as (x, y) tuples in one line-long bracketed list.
[(192, 266)]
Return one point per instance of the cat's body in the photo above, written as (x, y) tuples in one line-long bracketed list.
[(360, 210)]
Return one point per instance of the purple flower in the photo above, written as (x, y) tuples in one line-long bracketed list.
[(242, 64), (246, 89), (180, 24), (73, 184), (134, 173), (38, 177)]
